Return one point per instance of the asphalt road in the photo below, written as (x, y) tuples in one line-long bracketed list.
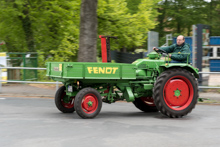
[(46, 91), (35, 122)]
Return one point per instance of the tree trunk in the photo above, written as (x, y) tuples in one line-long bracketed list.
[(188, 30), (27, 27), (88, 31), (10, 47), (123, 50), (178, 27), (161, 21)]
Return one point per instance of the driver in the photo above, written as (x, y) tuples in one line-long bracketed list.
[(179, 47)]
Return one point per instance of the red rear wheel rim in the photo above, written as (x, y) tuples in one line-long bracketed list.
[(67, 104), (89, 103), (148, 101), (178, 93)]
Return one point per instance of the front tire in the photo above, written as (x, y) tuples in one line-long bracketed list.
[(88, 103), (175, 92)]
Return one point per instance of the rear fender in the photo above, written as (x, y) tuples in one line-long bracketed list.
[(188, 67)]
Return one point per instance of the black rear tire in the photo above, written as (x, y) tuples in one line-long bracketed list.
[(144, 106), (175, 92), (65, 107)]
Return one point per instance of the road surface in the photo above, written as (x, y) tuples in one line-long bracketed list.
[(36, 122)]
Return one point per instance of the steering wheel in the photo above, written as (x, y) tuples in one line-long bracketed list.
[(163, 52)]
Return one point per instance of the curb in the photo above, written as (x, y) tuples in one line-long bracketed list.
[(27, 96)]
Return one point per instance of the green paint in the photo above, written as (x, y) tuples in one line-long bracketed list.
[(128, 94), (90, 103), (177, 93), (123, 81), (154, 55), (148, 86), (66, 99)]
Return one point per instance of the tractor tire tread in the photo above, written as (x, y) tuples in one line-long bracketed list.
[(143, 107), (157, 91)]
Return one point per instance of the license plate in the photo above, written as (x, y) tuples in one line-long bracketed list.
[(70, 88)]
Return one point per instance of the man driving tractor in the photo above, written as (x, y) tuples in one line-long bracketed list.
[(180, 50)]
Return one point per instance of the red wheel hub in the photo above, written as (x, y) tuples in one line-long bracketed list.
[(148, 101), (89, 103), (67, 104), (178, 93)]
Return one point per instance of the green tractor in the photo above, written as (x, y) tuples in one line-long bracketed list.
[(151, 84)]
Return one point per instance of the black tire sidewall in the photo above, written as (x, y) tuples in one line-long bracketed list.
[(58, 103), (189, 76), (143, 106)]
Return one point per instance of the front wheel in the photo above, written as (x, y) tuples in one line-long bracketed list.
[(88, 103), (175, 92)]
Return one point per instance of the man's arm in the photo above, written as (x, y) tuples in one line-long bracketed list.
[(168, 49)]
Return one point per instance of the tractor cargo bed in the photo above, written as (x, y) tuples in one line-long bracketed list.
[(91, 70)]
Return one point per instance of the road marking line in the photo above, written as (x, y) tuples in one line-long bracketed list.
[(1, 98)]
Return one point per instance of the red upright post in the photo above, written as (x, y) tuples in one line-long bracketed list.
[(104, 48)]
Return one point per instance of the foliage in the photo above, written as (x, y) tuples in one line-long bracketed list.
[(178, 16), (131, 29), (50, 27), (13, 35), (133, 6), (59, 29), (213, 17)]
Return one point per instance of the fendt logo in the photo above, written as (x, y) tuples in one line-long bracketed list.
[(102, 70)]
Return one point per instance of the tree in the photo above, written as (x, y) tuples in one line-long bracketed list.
[(131, 29), (58, 29), (213, 17), (178, 16), (52, 28), (88, 31), (133, 6), (49, 27), (11, 30)]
